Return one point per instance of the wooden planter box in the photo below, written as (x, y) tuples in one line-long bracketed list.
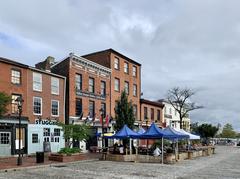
[(66, 158)]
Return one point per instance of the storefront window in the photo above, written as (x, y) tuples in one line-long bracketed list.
[(22, 139)]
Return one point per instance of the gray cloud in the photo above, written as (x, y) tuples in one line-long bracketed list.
[(179, 43)]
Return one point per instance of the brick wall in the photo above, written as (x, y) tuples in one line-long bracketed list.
[(150, 107), (9, 88)]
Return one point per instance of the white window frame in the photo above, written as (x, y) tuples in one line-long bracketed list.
[(34, 87), (134, 90), (116, 63), (54, 79), (126, 87), (41, 105), (134, 72), (126, 67), (116, 79), (58, 108)]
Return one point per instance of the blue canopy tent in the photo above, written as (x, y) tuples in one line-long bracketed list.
[(171, 133), (125, 132), (141, 130), (154, 132)]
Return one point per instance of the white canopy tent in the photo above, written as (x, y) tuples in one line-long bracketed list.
[(191, 136)]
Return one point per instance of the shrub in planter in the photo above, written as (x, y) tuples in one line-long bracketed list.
[(69, 151)]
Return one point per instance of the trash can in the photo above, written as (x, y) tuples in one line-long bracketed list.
[(39, 157)]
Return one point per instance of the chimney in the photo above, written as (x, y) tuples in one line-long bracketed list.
[(46, 64)]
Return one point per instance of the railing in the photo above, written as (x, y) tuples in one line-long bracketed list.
[(90, 95)]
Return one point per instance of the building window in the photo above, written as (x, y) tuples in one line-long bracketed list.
[(46, 134), (152, 114), (165, 110), (135, 111), (126, 87), (78, 81), (55, 108), (117, 84), (158, 115), (5, 138), (56, 132), (37, 105), (91, 109), (103, 106), (145, 113), (37, 82), (175, 112), (16, 77), (103, 88), (78, 107), (116, 105), (116, 63), (91, 85), (134, 90), (170, 110), (134, 72), (14, 106), (21, 138), (126, 68), (55, 85), (34, 138)]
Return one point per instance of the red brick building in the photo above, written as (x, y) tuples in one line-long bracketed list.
[(88, 91), (43, 94), (126, 75), (151, 111)]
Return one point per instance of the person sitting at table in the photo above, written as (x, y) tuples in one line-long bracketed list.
[(121, 149), (157, 152)]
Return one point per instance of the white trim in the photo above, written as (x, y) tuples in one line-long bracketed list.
[(86, 62), (36, 114), (58, 82), (58, 108), (41, 81), (47, 73)]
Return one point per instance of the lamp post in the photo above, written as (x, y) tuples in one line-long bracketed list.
[(102, 116), (147, 139), (19, 101)]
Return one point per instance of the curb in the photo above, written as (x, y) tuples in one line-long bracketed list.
[(43, 166)]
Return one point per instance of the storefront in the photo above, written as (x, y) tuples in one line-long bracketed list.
[(9, 136), (45, 132)]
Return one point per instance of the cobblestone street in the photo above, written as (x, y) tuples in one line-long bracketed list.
[(224, 164)]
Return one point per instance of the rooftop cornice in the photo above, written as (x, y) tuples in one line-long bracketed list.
[(89, 63)]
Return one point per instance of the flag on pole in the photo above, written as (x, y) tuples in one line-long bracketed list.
[(107, 120), (101, 119)]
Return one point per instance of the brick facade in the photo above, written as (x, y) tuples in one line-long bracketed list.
[(107, 58), (25, 89), (151, 111), (74, 65)]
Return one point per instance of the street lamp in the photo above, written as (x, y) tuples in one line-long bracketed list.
[(19, 101), (147, 139), (102, 116)]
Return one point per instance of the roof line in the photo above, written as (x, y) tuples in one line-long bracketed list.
[(116, 52)]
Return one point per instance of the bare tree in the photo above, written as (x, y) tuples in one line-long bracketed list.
[(180, 99)]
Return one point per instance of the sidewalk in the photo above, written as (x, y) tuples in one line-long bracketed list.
[(30, 161)]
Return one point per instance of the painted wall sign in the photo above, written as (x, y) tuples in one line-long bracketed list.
[(45, 122)]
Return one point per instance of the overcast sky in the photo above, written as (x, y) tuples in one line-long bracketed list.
[(183, 43)]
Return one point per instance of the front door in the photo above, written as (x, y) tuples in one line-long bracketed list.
[(5, 143)]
